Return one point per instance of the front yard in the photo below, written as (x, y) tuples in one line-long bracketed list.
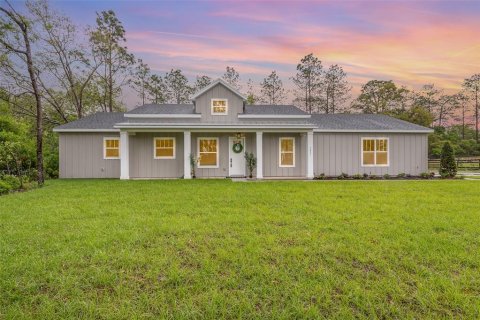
[(218, 249)]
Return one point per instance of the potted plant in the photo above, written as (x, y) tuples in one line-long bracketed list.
[(193, 163), (251, 163)]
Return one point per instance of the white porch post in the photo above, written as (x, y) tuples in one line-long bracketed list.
[(124, 156), (310, 155), (259, 154), (187, 149)]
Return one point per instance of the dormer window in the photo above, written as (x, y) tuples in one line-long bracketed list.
[(219, 106)]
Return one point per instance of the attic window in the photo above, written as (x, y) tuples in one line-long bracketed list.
[(219, 106)]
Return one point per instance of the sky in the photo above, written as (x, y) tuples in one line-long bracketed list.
[(410, 42)]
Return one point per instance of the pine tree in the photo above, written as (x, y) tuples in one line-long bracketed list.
[(448, 167)]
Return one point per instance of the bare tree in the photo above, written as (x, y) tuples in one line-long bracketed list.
[(16, 37), (201, 82), (232, 77), (308, 81), (157, 90), (272, 89), (141, 75), (472, 87), (252, 96), (336, 89)]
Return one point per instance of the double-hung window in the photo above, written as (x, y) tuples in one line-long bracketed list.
[(375, 152), (164, 148), (111, 148), (219, 106), (287, 152), (207, 152)]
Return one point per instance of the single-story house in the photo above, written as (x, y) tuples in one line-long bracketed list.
[(158, 141)]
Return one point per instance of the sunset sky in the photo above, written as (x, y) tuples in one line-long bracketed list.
[(410, 42)]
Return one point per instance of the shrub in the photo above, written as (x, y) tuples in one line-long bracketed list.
[(401, 175), (448, 167), (425, 175), (321, 176), (13, 181), (386, 176), (342, 176), (5, 187), (357, 176), (251, 163), (365, 176)]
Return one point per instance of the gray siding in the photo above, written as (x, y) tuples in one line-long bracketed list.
[(203, 104), (335, 153), (142, 161), (271, 167), (81, 156)]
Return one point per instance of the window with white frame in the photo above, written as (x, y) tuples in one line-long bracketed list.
[(287, 152), (207, 152), (111, 148), (219, 106), (375, 152), (164, 148)]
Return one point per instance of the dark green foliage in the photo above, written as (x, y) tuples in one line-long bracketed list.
[(401, 175), (343, 176), (425, 175), (321, 176), (386, 176), (357, 176), (448, 167), (251, 163)]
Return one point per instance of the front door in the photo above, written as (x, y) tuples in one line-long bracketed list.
[(236, 147)]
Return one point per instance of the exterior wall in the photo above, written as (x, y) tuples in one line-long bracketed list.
[(142, 161), (81, 156), (271, 167), (335, 153), (203, 104)]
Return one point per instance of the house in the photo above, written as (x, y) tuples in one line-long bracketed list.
[(157, 141)]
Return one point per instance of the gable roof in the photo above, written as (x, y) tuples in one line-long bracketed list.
[(97, 122), (364, 123), (153, 108), (213, 84)]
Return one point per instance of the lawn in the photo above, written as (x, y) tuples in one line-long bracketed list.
[(220, 249)]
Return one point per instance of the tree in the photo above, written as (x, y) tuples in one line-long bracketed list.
[(448, 167), (252, 97), (177, 86), (472, 86), (16, 37), (141, 75), (378, 96), (308, 81), (232, 77), (336, 89), (157, 89), (272, 89), (416, 114), (447, 105), (201, 82), (66, 60), (107, 41), (462, 100)]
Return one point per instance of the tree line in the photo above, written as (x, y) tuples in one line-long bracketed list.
[(53, 72)]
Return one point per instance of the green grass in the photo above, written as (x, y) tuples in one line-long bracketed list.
[(217, 249)]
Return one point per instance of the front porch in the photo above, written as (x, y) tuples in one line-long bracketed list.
[(138, 158)]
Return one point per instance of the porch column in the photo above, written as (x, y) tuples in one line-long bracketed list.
[(259, 154), (187, 149), (310, 155), (124, 156)]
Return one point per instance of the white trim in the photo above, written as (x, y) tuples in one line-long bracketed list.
[(213, 84), (218, 152), (274, 116), (124, 156), (230, 139), (280, 152), (187, 150), (374, 131), (259, 154), (218, 113), (200, 126), (310, 155), (374, 152), (155, 148), (86, 130), (164, 115), (105, 148)]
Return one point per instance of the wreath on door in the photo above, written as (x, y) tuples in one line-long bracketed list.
[(237, 147)]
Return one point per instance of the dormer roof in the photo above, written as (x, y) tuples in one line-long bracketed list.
[(213, 84)]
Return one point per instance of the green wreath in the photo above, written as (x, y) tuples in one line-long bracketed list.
[(237, 147)]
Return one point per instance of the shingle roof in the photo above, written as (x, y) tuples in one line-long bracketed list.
[(96, 121), (164, 109), (273, 109), (367, 122)]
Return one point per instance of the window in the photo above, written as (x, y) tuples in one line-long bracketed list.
[(207, 152), (287, 152), (375, 151), (219, 106), (111, 148), (164, 148)]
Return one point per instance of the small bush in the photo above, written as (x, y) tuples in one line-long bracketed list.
[(425, 175), (5, 187), (357, 176), (321, 176), (365, 176), (448, 167), (13, 181), (342, 176), (386, 176), (401, 175)]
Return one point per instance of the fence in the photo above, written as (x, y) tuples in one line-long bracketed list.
[(462, 163)]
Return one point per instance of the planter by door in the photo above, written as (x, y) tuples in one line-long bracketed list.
[(236, 160)]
